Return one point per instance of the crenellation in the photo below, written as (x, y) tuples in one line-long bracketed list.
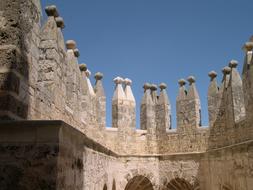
[(213, 98), (42, 79), (128, 91), (163, 111), (147, 109), (59, 71), (193, 97), (101, 101), (247, 78), (236, 95), (188, 107), (117, 103)]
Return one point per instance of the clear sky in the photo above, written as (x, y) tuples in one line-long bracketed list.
[(157, 40)]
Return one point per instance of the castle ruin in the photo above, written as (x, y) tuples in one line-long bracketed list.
[(53, 134)]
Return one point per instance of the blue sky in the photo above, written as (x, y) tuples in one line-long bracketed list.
[(157, 40)]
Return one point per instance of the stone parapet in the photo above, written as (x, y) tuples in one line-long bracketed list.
[(43, 79)]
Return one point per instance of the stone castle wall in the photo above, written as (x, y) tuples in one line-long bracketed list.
[(41, 79)]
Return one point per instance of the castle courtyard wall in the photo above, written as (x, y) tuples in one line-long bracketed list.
[(53, 133)]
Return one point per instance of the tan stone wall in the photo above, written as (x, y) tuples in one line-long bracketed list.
[(41, 79), (229, 167)]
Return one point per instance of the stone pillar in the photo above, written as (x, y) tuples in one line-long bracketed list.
[(19, 54), (49, 86), (247, 78), (235, 104), (71, 77), (88, 105), (118, 107), (213, 98), (131, 105), (180, 105), (123, 114), (188, 107), (101, 100), (147, 109), (85, 98), (163, 110), (194, 109), (221, 116)]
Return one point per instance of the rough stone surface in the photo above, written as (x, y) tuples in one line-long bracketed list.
[(41, 79)]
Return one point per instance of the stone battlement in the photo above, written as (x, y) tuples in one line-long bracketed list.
[(53, 119), (42, 79)]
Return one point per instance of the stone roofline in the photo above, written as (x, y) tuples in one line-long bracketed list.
[(44, 81)]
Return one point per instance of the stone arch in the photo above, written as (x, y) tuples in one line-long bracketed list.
[(139, 182), (181, 184)]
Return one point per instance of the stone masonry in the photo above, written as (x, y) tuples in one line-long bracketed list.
[(53, 134)]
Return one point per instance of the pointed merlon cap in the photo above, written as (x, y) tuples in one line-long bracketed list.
[(146, 86), (191, 79), (76, 52), (192, 92), (88, 73), (52, 11), (248, 46), (182, 92), (118, 80), (128, 82), (212, 75), (99, 89), (119, 93), (226, 70), (226, 75), (162, 86), (71, 44), (83, 67), (60, 22), (147, 99), (233, 64), (181, 82), (98, 76), (153, 87), (128, 90), (163, 98), (213, 87)]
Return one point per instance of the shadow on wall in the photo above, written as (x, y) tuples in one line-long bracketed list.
[(17, 36)]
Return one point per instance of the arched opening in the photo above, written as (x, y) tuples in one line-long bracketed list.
[(181, 184), (139, 183), (105, 187)]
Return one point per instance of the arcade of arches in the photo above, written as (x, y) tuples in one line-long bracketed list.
[(143, 183), (139, 183)]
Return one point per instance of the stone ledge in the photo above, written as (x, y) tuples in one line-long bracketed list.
[(46, 131)]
